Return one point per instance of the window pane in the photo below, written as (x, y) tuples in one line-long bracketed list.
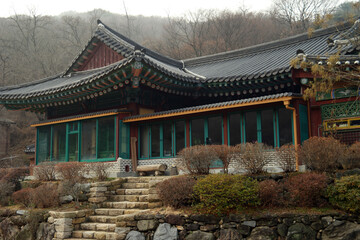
[(88, 140), (106, 138), (73, 147), (144, 141), (285, 128), (267, 127), (124, 141), (155, 141), (180, 136), (167, 136), (234, 129), (43, 148), (59, 143), (251, 127), (197, 132), (214, 130)]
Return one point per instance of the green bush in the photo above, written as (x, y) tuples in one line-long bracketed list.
[(177, 191), (345, 193), (222, 193)]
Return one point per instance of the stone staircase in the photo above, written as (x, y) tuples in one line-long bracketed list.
[(131, 198)]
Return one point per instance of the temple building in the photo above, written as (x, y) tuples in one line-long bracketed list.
[(125, 104)]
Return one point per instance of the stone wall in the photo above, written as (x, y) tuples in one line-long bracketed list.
[(233, 227)]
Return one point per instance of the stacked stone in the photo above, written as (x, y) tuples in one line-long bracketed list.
[(290, 226), (154, 199), (100, 191), (66, 222)]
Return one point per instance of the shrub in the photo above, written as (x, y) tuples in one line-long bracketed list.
[(252, 157), (71, 171), (221, 193), (45, 171), (45, 196), (352, 159), (271, 193), (71, 188), (24, 197), (322, 154), (14, 174), (6, 189), (224, 153), (196, 159), (287, 155), (307, 189), (99, 169), (176, 192), (345, 193)]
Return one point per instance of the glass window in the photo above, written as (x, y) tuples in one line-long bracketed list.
[(88, 140), (180, 135), (167, 139), (59, 143), (251, 126), (285, 126), (44, 141), (124, 140), (197, 132), (144, 141), (235, 129), (215, 129), (106, 137), (267, 127), (73, 147), (155, 141)]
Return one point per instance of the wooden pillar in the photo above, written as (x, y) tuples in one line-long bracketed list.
[(225, 128), (187, 122)]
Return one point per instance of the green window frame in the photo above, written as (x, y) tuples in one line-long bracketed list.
[(72, 152), (206, 128)]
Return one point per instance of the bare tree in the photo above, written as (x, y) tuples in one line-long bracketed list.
[(299, 14)]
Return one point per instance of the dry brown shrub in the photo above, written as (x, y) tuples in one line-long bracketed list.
[(196, 159), (323, 154), (6, 189), (45, 171), (287, 155), (177, 191), (224, 153), (252, 157), (352, 159), (99, 169), (45, 196), (271, 193), (71, 171)]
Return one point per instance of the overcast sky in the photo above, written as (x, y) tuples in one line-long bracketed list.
[(134, 7)]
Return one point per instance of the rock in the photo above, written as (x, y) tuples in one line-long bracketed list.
[(134, 235), (45, 231), (282, 229), (244, 230), (146, 225), (8, 229), (174, 219), (229, 234), (21, 212), (342, 230), (249, 223), (24, 234), (192, 227), (326, 221), (66, 199), (122, 232), (299, 231), (209, 219), (198, 235), (209, 228), (166, 232), (18, 220), (262, 233), (316, 226)]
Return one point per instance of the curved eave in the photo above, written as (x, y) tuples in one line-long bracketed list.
[(276, 98)]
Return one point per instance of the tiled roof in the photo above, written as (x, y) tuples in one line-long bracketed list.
[(210, 107)]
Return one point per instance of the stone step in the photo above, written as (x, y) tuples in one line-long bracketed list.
[(125, 205), (95, 235), (109, 211), (134, 185), (78, 239), (102, 219), (129, 198), (106, 227), (139, 191), (138, 179)]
